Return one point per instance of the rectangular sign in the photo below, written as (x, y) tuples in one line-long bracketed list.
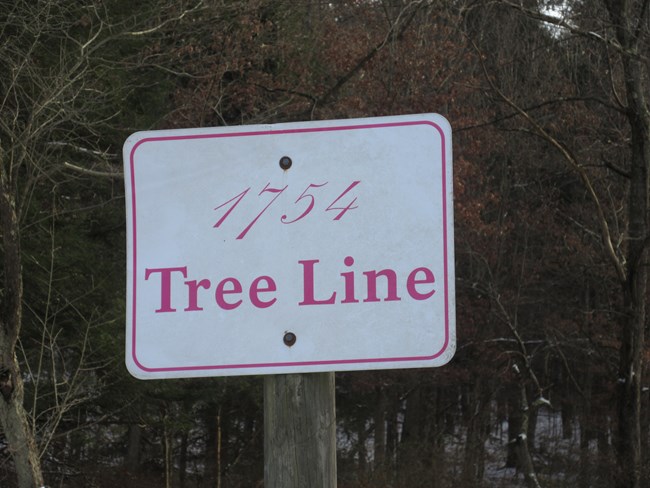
[(300, 247)]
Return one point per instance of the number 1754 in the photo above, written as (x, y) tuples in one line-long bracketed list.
[(342, 203)]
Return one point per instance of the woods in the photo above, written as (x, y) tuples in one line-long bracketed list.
[(548, 102)]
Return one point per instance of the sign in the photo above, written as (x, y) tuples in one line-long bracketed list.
[(300, 247)]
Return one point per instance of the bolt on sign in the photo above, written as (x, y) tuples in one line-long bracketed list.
[(299, 247)]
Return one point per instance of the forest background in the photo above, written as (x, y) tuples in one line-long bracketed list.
[(549, 110)]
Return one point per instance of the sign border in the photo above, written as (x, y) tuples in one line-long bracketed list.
[(346, 126)]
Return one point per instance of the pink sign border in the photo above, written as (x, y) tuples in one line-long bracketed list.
[(281, 132)]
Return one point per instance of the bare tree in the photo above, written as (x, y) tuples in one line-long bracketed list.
[(615, 33), (58, 86)]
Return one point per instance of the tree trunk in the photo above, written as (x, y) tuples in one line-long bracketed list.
[(414, 421), (211, 453), (522, 443), (380, 430), (631, 363), (22, 446), (586, 419), (514, 429), (182, 460), (362, 451), (13, 417), (219, 447), (645, 440), (132, 460), (392, 437), (168, 453), (628, 445), (477, 427)]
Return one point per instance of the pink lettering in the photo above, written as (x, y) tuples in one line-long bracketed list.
[(308, 285), (348, 277), (193, 291), (391, 285), (412, 282), (165, 285), (256, 289), (381, 285), (221, 290)]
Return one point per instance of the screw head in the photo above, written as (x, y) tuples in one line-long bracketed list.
[(289, 339), (285, 162)]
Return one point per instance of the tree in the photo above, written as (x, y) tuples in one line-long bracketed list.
[(59, 96), (606, 81)]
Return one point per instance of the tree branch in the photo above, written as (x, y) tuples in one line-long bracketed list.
[(533, 14), (396, 30), (571, 160), (92, 172), (158, 27)]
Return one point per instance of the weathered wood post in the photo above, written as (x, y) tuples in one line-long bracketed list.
[(299, 431)]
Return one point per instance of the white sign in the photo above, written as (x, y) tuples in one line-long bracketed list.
[(301, 247)]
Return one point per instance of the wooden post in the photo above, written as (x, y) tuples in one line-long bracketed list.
[(299, 431)]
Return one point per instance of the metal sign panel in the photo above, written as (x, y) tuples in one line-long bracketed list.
[(300, 247)]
